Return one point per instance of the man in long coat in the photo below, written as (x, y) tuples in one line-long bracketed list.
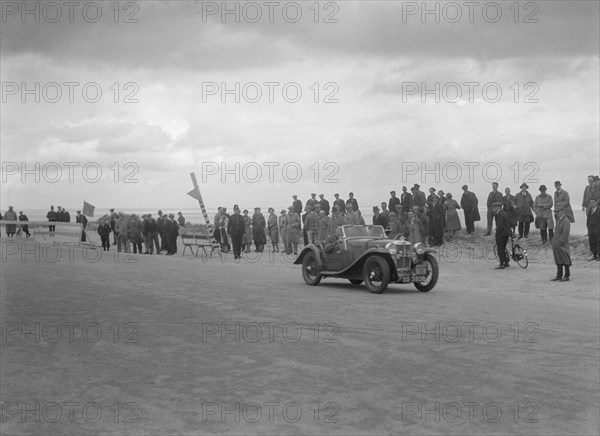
[(469, 204), (82, 219), (405, 201), (393, 202), (10, 215), (543, 210), (292, 231), (560, 247), (593, 226), (563, 202), (258, 229), (524, 203), (273, 229), (339, 203), (236, 227), (436, 225)]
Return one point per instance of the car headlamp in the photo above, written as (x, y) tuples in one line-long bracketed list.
[(419, 248), (392, 248)]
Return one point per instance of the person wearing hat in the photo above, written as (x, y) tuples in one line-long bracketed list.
[(281, 226), (352, 200), (311, 225), (418, 197), (452, 218), (24, 228), (378, 219), (10, 215), (393, 202), (469, 204), (524, 203), (503, 232), (493, 197), (560, 246), (135, 233), (122, 231), (405, 201), (112, 221), (236, 227), (82, 219), (337, 218), (292, 231), (259, 224), (324, 204), (587, 193), (171, 229), (593, 226), (297, 205), (150, 233), (104, 230), (543, 211), (312, 201), (181, 221), (247, 238), (430, 197), (508, 206), (562, 201), (351, 217), (437, 216), (339, 203), (273, 230), (52, 217)]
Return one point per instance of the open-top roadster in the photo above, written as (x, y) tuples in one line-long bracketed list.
[(364, 253)]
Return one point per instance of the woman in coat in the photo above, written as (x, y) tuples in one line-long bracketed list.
[(452, 218), (560, 247), (247, 238), (524, 203)]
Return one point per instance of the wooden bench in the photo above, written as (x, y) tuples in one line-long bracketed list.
[(200, 241)]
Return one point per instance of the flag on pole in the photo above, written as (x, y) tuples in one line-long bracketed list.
[(88, 209)]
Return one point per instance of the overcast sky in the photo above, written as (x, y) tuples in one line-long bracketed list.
[(369, 61)]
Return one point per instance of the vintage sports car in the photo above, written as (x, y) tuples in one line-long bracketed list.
[(364, 253)]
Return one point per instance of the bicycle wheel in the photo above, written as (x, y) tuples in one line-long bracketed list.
[(520, 256)]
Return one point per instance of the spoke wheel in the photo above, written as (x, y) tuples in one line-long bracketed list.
[(432, 274), (376, 274), (310, 270), (521, 256)]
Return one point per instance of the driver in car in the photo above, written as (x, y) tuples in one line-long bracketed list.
[(332, 243)]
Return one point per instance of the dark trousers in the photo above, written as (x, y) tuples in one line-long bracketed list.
[(490, 220), (523, 229), (83, 237), (236, 241), (544, 234), (469, 222), (559, 271), (105, 242), (501, 242), (594, 237)]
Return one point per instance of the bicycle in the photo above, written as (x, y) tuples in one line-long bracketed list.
[(519, 254)]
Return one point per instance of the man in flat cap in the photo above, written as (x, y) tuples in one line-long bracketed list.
[(503, 232), (406, 202), (469, 204), (543, 210), (353, 201), (418, 197), (324, 204), (393, 202), (562, 201), (493, 197), (236, 227), (312, 201), (339, 203)]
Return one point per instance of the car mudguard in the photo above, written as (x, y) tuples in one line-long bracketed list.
[(309, 248)]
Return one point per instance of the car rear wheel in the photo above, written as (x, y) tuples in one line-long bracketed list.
[(355, 281), (310, 269), (376, 274), (432, 274)]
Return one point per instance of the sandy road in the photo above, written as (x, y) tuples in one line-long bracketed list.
[(171, 345)]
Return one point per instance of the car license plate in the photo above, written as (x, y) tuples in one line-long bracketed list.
[(421, 270)]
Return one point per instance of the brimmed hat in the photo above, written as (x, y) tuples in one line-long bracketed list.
[(557, 183), (321, 195), (524, 186), (432, 189), (392, 192), (416, 185), (542, 187)]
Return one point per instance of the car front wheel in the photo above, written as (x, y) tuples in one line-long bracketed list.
[(432, 274), (376, 274), (310, 269)]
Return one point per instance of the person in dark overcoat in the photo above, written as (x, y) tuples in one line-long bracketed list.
[(593, 226), (236, 227), (436, 225), (258, 228), (524, 203), (503, 232), (104, 230), (560, 247), (82, 219), (469, 205)]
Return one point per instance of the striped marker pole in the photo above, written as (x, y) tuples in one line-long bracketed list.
[(196, 194)]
